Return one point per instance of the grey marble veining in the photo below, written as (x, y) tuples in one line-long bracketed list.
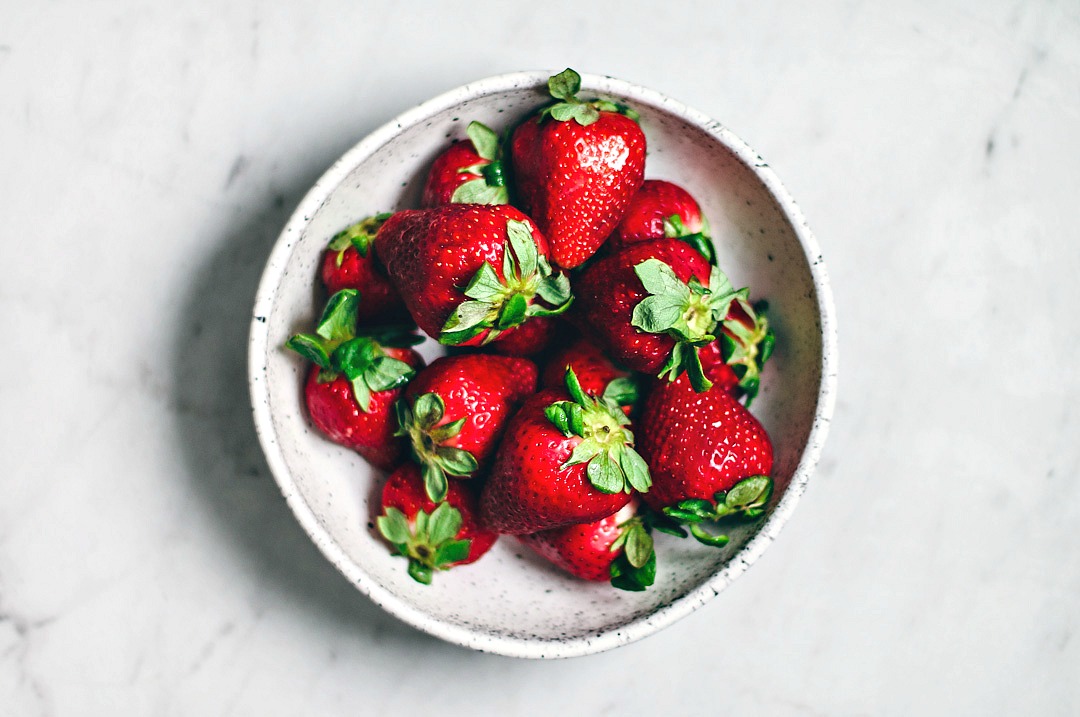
[(149, 157)]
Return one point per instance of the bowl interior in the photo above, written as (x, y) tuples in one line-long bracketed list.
[(511, 602)]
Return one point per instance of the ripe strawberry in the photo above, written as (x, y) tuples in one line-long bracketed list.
[(617, 548), (454, 412), (562, 461), (468, 172), (662, 209), (710, 458), (432, 537), (349, 263), (356, 380), (652, 305), (596, 373), (471, 274), (577, 165)]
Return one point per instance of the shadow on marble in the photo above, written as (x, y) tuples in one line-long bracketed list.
[(217, 437)]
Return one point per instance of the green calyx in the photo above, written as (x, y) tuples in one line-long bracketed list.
[(498, 304), (564, 88), (612, 464), (634, 568), (337, 349), (700, 241), (690, 313), (429, 543), (747, 345), (746, 501), (490, 188), (419, 422), (359, 236)]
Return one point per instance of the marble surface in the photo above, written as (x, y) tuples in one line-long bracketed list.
[(150, 153)]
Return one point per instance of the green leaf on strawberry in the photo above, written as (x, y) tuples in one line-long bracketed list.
[(564, 87), (746, 500), (430, 543), (746, 348), (358, 235), (700, 241), (420, 424), (490, 187)]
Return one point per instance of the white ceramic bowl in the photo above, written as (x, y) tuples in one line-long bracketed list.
[(511, 602)]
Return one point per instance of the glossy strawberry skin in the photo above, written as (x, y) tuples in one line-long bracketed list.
[(593, 368), (445, 176), (404, 490), (608, 290), (334, 411), (432, 254), (528, 490), (481, 388), (656, 201), (577, 181), (698, 443), (583, 550), (379, 300)]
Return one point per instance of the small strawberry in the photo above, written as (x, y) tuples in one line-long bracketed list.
[(566, 458), (596, 373), (468, 172), (662, 209), (349, 263), (471, 274), (431, 536), (617, 548), (652, 305), (356, 380), (454, 413), (577, 165), (709, 457)]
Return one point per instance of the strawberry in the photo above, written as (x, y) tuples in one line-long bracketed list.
[(652, 305), (746, 344), (566, 458), (471, 274), (617, 548), (709, 457), (356, 380), (431, 536), (595, 372), (577, 165), (662, 209), (468, 172), (454, 412), (349, 263)]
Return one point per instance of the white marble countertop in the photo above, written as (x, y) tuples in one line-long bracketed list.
[(150, 153)]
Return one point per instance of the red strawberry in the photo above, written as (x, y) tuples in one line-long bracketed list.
[(562, 461), (710, 458), (471, 274), (617, 548), (652, 305), (432, 536), (468, 172), (662, 209), (576, 166), (455, 410), (356, 380), (349, 263), (596, 373)]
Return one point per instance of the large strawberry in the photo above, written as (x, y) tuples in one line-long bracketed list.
[(468, 172), (566, 458), (663, 209), (471, 274), (431, 536), (356, 380), (709, 457), (617, 548), (454, 413), (596, 373), (577, 164), (652, 305), (350, 263)]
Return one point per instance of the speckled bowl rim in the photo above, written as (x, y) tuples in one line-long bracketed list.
[(399, 607)]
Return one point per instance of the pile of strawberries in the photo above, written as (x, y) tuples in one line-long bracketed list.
[(578, 300)]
